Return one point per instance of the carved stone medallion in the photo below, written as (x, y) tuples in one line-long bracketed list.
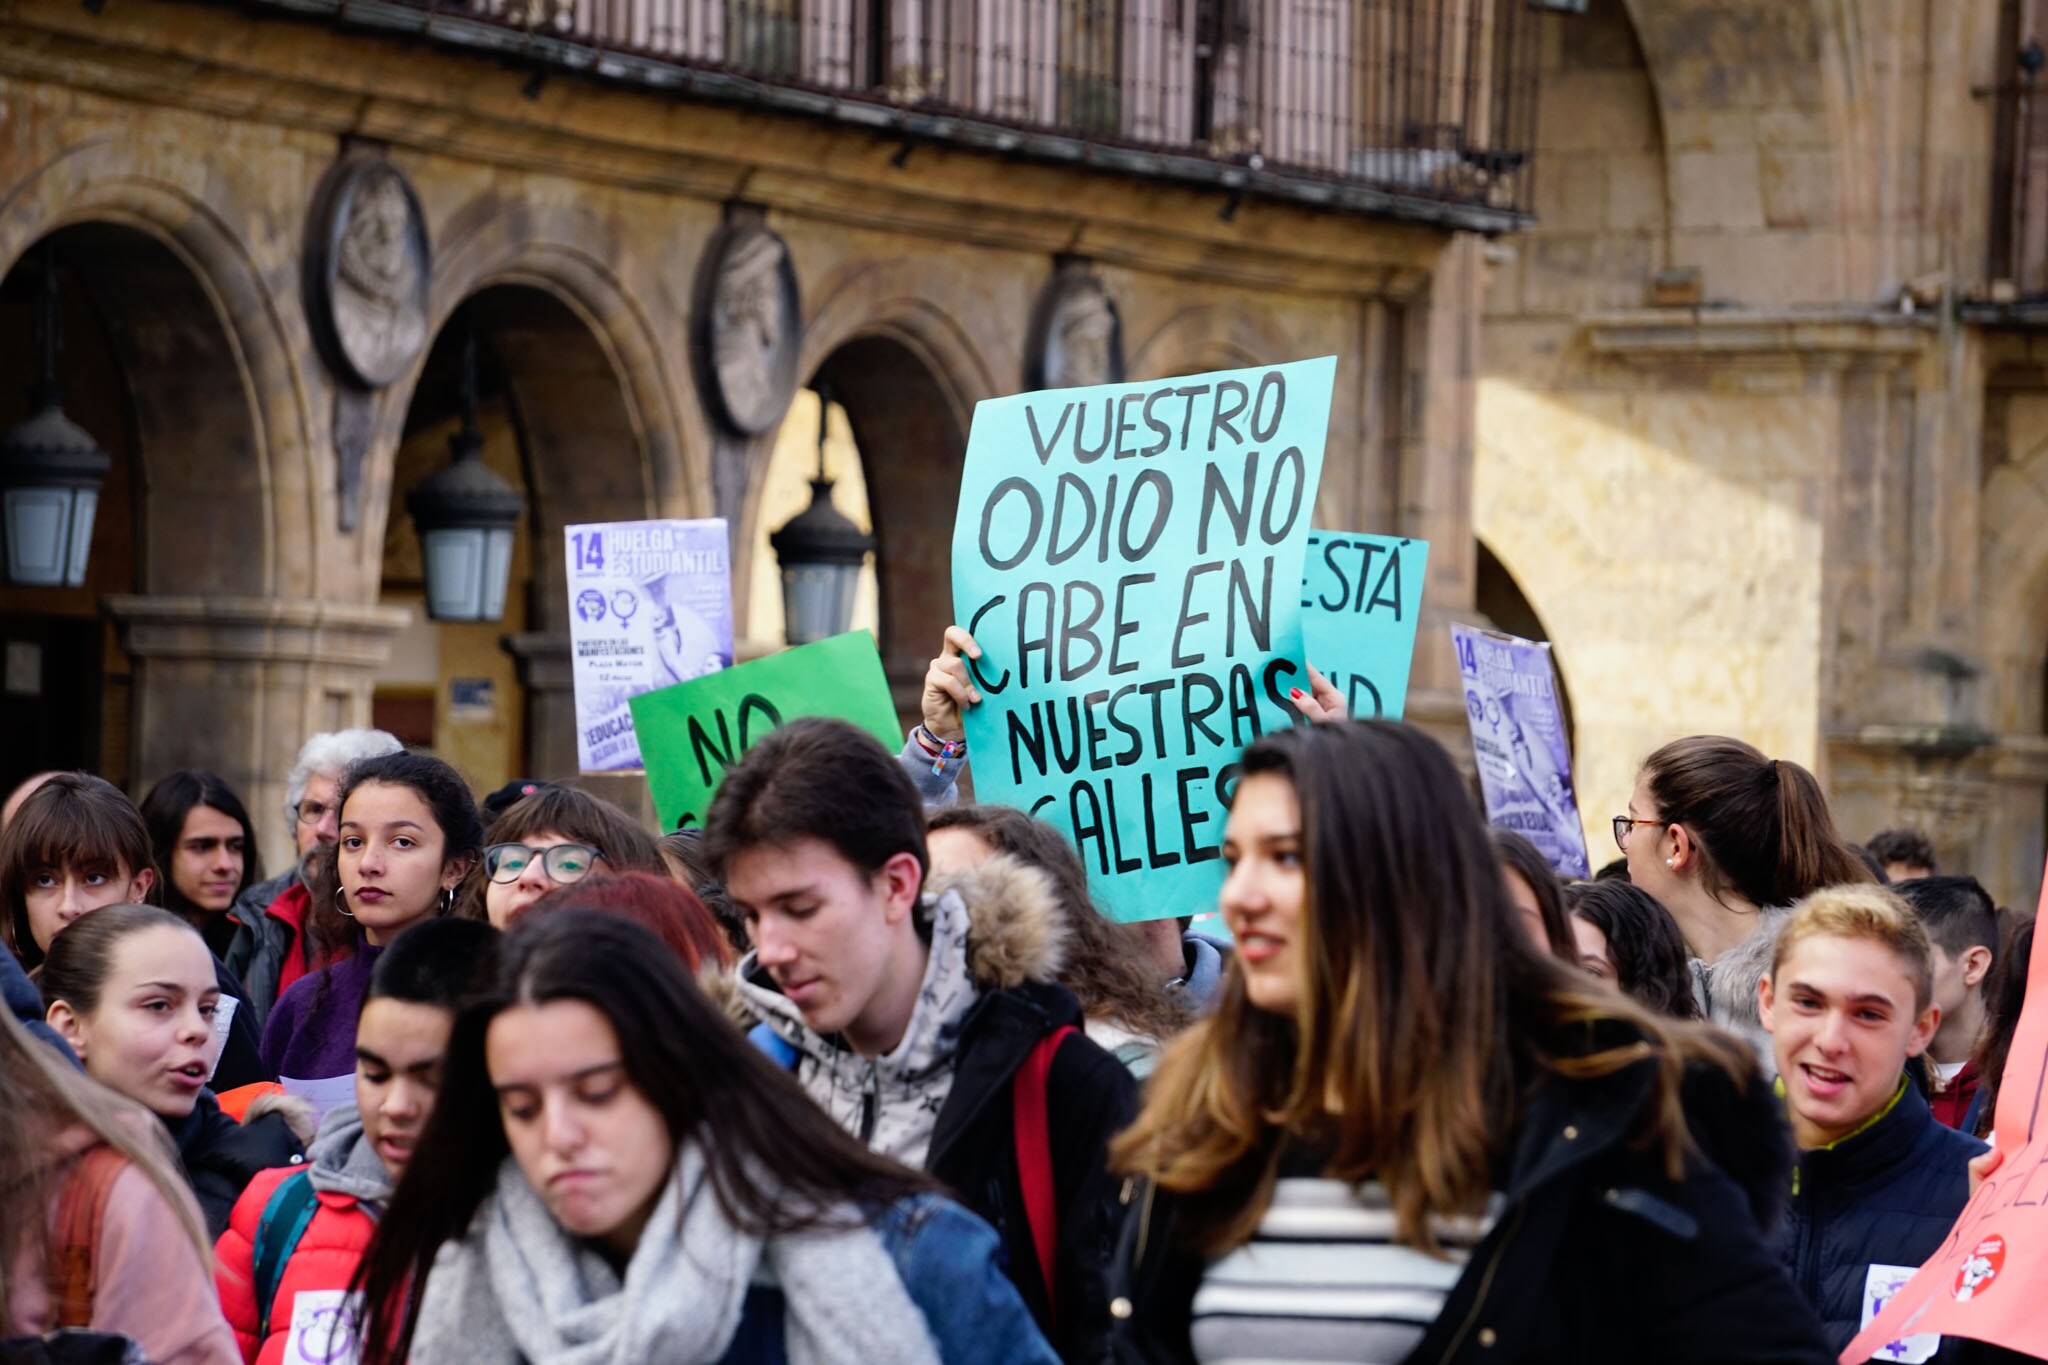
[(367, 271), (748, 326), (1077, 339)]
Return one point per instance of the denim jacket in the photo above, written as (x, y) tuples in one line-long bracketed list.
[(951, 1265)]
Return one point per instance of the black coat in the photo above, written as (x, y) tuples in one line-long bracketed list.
[(221, 1156), (1886, 1195), (1598, 1255), (1089, 1098)]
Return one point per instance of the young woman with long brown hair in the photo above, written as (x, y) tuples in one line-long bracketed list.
[(1410, 1134), (612, 1172)]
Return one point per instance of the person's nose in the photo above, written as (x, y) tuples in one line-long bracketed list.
[(193, 1027), (70, 904), (327, 829), (402, 1100), (370, 862), (1833, 1036), (535, 873), (1243, 893), (561, 1128), (773, 947)]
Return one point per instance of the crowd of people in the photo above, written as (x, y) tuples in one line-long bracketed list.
[(859, 1073)]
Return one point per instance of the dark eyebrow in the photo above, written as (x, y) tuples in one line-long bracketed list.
[(364, 1054), (1860, 998)]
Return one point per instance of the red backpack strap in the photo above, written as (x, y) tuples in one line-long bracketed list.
[(1034, 1155), (81, 1209)]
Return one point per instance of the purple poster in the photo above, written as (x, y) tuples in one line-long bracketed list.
[(1519, 744), (650, 605)]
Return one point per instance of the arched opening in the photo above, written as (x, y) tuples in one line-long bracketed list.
[(496, 698), (897, 463), (147, 368), (1502, 601)]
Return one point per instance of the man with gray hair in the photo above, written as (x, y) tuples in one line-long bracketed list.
[(269, 951)]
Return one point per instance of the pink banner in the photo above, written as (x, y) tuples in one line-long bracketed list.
[(1988, 1279)]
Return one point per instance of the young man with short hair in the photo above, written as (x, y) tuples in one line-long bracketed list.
[(1905, 853), (1878, 1182), (909, 1016), (1961, 921)]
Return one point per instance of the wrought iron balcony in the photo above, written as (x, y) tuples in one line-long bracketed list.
[(1415, 108)]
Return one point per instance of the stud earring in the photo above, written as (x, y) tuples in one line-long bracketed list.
[(1671, 862)]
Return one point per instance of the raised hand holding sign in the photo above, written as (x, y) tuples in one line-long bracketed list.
[(1129, 560)]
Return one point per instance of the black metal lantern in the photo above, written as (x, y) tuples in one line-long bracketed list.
[(50, 471), (465, 515), (821, 552)]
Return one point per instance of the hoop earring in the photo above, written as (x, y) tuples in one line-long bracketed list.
[(341, 903), (447, 900)]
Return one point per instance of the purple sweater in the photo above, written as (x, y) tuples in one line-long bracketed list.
[(312, 1044)]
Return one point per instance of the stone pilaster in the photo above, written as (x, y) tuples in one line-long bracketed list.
[(548, 679), (236, 684)]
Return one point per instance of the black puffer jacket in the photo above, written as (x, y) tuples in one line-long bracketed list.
[(221, 1156), (1885, 1195), (1598, 1257)]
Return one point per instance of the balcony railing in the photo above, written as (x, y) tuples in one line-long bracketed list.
[(1430, 102)]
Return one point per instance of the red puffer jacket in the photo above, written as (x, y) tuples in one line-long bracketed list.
[(325, 1258)]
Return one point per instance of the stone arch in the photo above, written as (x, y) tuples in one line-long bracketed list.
[(1206, 337), (893, 342), (633, 381), (1762, 105), (256, 469)]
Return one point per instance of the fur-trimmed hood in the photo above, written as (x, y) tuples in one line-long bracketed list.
[(993, 929)]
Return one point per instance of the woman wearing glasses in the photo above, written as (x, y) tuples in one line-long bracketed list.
[(552, 838), (1725, 838), (410, 833)]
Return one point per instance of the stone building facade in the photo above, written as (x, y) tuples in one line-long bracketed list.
[(1762, 426), (253, 566)]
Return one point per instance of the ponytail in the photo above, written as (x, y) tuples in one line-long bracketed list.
[(1811, 853), (1762, 824)]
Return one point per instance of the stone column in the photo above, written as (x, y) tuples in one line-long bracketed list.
[(544, 673), (1434, 479), (236, 684)]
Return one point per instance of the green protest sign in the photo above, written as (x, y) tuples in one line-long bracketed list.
[(1361, 600), (1129, 557), (692, 732)]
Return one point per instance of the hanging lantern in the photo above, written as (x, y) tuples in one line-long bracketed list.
[(465, 515), (50, 471), (821, 552)]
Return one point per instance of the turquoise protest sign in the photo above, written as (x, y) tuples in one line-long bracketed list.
[(691, 732), (1129, 558), (1361, 600)]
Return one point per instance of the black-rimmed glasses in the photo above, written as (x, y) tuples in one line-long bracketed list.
[(562, 862), (1624, 823)]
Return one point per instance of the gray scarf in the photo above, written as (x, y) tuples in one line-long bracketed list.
[(519, 1288), (343, 1162), (890, 1103)]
